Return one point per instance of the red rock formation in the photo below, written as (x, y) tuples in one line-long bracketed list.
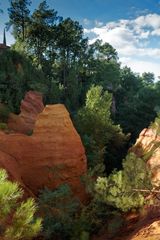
[(150, 231), (54, 154), (31, 106), (148, 145)]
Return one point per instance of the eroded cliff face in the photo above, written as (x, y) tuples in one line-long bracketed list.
[(148, 146), (54, 154), (149, 232), (30, 107)]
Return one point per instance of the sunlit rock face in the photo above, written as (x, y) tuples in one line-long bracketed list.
[(149, 232), (30, 107), (52, 155), (148, 146)]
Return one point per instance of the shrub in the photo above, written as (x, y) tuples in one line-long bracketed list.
[(118, 189), (58, 208), (17, 220), (64, 217)]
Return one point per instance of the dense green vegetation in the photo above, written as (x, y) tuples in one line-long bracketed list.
[(58, 210), (17, 75), (109, 106)]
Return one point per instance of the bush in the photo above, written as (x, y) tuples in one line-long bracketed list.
[(17, 220), (58, 208), (118, 189)]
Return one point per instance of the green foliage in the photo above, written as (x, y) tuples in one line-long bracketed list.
[(95, 116), (17, 75), (95, 125), (20, 47), (19, 17), (43, 20), (104, 66), (4, 113), (148, 78), (58, 209), (89, 220), (72, 92), (134, 108), (118, 189), (17, 219), (92, 121), (103, 51), (66, 218)]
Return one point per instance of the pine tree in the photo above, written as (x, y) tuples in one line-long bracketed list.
[(96, 127), (19, 17), (58, 208), (118, 190), (17, 219)]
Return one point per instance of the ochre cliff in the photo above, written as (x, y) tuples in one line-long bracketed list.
[(52, 155), (149, 232), (148, 146), (30, 107)]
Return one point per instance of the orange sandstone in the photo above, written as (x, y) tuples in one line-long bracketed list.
[(31, 106), (148, 146), (53, 155)]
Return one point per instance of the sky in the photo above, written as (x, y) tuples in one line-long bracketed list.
[(132, 27)]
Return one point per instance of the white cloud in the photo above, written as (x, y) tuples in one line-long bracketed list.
[(98, 23), (140, 66), (156, 32), (10, 39), (150, 20), (86, 22), (133, 40)]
